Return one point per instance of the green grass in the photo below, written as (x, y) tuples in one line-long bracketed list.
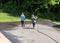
[(4, 17), (58, 23)]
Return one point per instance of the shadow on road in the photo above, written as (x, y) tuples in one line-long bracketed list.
[(12, 38), (8, 25), (56, 26)]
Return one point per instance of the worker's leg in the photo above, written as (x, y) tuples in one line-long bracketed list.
[(22, 23), (33, 25)]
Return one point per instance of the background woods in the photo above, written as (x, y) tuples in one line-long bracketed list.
[(48, 9)]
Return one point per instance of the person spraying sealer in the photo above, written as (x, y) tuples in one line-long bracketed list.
[(33, 19)]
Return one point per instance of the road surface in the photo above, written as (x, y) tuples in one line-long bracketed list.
[(41, 34)]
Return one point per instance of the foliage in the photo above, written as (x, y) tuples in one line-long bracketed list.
[(48, 9)]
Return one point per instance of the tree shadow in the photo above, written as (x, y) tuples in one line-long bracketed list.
[(10, 12), (8, 25), (12, 38), (56, 26)]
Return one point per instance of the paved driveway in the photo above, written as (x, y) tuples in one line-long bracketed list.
[(41, 34)]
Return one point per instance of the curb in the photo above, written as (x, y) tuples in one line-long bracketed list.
[(3, 39)]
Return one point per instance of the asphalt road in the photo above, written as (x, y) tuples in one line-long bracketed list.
[(41, 34)]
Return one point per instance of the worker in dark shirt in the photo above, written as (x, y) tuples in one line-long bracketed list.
[(33, 19)]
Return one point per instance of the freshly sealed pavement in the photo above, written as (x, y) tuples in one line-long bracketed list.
[(40, 34)]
